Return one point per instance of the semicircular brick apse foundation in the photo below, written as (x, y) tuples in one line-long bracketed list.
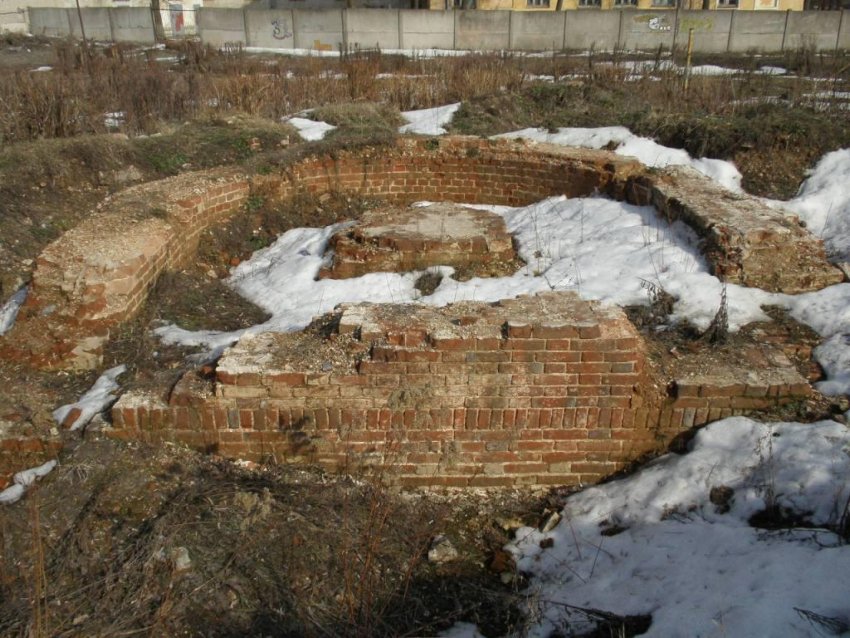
[(462, 396)]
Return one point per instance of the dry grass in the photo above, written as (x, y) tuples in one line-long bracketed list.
[(275, 551)]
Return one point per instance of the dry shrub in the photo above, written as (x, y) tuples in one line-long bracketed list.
[(280, 551), (35, 105)]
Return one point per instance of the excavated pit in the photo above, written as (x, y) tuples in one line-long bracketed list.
[(548, 389)]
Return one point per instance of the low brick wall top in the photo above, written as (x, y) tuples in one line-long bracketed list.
[(475, 242), (745, 241), (98, 274)]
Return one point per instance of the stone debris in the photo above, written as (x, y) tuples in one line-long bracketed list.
[(442, 551)]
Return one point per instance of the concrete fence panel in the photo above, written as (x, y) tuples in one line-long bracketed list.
[(812, 29), (13, 20), (132, 24), (320, 30), (50, 22), (537, 31), (591, 28), (371, 28), (426, 29), (757, 31), (482, 30), (95, 21), (330, 29), (271, 29), (220, 26), (299, 4), (711, 30), (647, 30)]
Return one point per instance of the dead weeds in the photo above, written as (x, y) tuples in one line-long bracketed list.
[(169, 542)]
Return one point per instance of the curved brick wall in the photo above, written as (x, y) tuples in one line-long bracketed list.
[(563, 398), (98, 274), (461, 169)]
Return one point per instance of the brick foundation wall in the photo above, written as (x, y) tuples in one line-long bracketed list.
[(538, 390), (460, 169), (99, 274), (744, 240)]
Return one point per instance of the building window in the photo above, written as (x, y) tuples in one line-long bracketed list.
[(663, 3), (589, 3), (625, 3), (538, 3), (731, 4)]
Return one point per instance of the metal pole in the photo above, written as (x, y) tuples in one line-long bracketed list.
[(83, 33), (688, 61)]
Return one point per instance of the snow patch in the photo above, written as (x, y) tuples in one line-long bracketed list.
[(96, 400), (429, 121), (599, 248), (823, 202), (310, 130), (23, 480), (9, 310), (655, 543), (645, 150)]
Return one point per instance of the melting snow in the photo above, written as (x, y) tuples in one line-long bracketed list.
[(96, 400), (9, 310), (310, 130), (429, 121), (654, 543), (23, 480), (649, 152)]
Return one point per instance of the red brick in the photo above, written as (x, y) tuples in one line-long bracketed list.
[(524, 344), (452, 343), (554, 332), (590, 332), (285, 378), (525, 468), (517, 330), (248, 379)]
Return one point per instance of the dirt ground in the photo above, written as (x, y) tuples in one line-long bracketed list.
[(125, 539)]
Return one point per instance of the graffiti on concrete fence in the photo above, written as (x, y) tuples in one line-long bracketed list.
[(280, 29)]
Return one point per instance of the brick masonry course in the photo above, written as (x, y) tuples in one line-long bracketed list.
[(545, 389)]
